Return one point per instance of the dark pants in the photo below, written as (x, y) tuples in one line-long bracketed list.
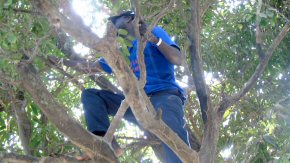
[(98, 104)]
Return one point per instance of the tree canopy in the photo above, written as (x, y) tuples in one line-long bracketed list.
[(236, 73)]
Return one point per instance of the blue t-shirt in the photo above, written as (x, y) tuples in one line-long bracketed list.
[(160, 72)]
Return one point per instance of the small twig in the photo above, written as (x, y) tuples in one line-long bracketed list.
[(225, 104), (152, 15), (277, 11), (258, 32), (116, 121), (169, 8), (36, 50), (75, 81), (205, 7), (23, 11)]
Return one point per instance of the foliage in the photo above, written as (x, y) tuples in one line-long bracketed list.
[(255, 130)]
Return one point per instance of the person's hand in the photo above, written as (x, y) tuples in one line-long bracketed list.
[(142, 27), (143, 30)]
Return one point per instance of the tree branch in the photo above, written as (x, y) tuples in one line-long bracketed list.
[(94, 146), (23, 123), (205, 7), (116, 121), (63, 41), (258, 32), (13, 157), (209, 115), (169, 8), (196, 61), (18, 10), (141, 44), (75, 81), (225, 104)]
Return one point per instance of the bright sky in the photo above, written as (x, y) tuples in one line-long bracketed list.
[(96, 19)]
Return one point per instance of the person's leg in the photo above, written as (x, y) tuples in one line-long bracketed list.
[(96, 110), (98, 105), (172, 115)]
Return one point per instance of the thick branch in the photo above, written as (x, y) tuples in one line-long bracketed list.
[(258, 72), (23, 123), (211, 132), (13, 157), (56, 113), (141, 44), (63, 41), (258, 32), (196, 61)]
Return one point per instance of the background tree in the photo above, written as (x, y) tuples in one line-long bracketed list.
[(236, 66)]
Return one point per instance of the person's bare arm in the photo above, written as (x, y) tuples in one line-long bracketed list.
[(171, 53)]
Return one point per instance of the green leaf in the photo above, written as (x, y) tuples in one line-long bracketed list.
[(34, 109), (123, 32), (125, 51), (3, 62), (127, 60), (2, 123), (37, 28), (227, 113), (240, 26), (131, 38), (120, 40), (1, 5), (128, 43), (11, 38)]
